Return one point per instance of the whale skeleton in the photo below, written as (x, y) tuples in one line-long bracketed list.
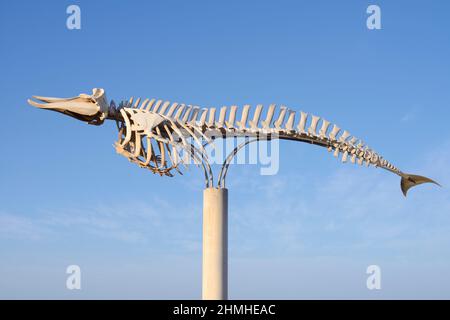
[(155, 133)]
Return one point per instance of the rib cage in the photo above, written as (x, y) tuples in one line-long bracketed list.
[(179, 128)]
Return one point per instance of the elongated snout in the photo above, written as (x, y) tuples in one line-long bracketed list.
[(92, 109)]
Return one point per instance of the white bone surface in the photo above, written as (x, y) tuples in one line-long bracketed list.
[(302, 122), (156, 106), (222, 115), (290, 121), (231, 117), (179, 111), (270, 112), (334, 132), (254, 123), (312, 128), (150, 104), (164, 107), (279, 121), (324, 128), (212, 116), (172, 109), (243, 122)]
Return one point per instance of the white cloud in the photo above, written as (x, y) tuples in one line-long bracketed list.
[(13, 226), (133, 222)]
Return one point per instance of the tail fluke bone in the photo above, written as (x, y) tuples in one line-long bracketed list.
[(411, 180)]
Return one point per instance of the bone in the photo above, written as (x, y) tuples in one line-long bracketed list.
[(156, 106), (121, 150), (344, 136), (254, 123), (243, 122), (162, 151), (360, 144), (313, 127), (270, 112), (130, 102), (177, 131), (221, 121), (353, 159), (203, 115), (302, 122), (336, 152), (174, 157), (164, 107), (139, 125), (290, 121), (360, 160), (231, 117), (211, 117), (200, 145), (169, 134), (136, 104), (137, 144), (186, 114), (172, 109), (374, 158), (149, 150), (194, 114), (352, 141), (199, 131), (150, 104), (173, 152), (169, 153), (324, 128), (344, 156), (127, 127), (277, 124), (142, 106), (179, 112), (334, 132)]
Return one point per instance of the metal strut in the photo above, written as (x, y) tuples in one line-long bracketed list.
[(227, 162), (209, 177)]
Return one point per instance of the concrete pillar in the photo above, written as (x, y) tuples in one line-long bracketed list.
[(215, 244)]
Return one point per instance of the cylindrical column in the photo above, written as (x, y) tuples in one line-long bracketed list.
[(215, 244)]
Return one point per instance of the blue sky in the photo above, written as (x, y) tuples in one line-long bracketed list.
[(310, 231)]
